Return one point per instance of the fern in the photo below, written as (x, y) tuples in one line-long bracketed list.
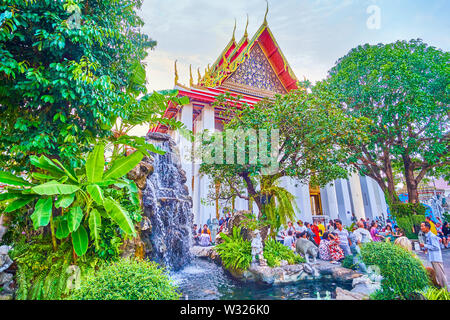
[(235, 252)]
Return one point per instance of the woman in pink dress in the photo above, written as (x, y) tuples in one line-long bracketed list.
[(374, 233)]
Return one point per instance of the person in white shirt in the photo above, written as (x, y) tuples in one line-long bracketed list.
[(300, 227), (289, 240), (361, 234)]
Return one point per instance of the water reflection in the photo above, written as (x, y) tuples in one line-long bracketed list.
[(203, 280)]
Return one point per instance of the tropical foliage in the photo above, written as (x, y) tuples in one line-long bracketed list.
[(403, 274), (436, 294), (275, 252), (71, 200), (44, 274), (66, 69), (302, 131), (235, 252), (403, 88), (127, 280)]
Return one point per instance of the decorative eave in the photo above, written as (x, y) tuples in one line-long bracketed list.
[(236, 54)]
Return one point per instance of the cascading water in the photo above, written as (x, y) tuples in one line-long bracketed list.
[(168, 205)]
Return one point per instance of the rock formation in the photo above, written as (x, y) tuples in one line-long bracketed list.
[(168, 206)]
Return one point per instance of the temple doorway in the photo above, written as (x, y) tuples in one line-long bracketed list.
[(316, 202)]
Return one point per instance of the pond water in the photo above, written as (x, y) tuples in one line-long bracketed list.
[(204, 280)]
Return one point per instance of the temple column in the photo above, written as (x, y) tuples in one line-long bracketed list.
[(324, 200), (206, 211), (344, 201), (372, 199), (304, 202), (357, 197), (379, 198), (185, 146), (333, 210)]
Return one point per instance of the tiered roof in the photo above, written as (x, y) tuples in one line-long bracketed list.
[(252, 68)]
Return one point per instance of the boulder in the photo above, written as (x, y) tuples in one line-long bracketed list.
[(365, 286), (140, 173), (342, 294), (5, 260), (278, 275)]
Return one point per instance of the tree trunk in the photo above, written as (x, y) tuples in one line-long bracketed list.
[(252, 193), (392, 194), (411, 183)]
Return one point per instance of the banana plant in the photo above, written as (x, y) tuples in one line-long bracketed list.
[(72, 200)]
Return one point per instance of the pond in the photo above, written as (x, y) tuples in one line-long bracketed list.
[(204, 280)]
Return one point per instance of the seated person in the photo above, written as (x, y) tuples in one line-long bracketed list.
[(196, 235), (398, 232), (389, 234), (205, 237), (289, 240), (444, 234), (329, 249)]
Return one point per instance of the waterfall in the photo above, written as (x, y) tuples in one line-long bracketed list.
[(168, 205)]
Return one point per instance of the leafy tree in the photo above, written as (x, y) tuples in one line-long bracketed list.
[(403, 88), (308, 128), (69, 200), (66, 70)]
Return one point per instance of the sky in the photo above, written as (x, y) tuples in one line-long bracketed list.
[(313, 34)]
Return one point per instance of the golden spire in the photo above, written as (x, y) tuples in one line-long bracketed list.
[(246, 27), (225, 61), (199, 76), (267, 11), (176, 73), (191, 79), (234, 30)]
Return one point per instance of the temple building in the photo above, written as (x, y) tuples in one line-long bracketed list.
[(254, 69)]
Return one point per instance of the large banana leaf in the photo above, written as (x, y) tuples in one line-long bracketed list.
[(46, 164), (62, 227), (10, 179), (18, 203), (96, 193), (9, 195), (80, 241), (42, 213), (74, 218), (95, 222), (72, 176), (55, 188), (65, 201), (123, 165), (41, 176), (119, 215), (95, 164)]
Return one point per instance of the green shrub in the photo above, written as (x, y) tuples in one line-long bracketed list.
[(403, 273), (348, 263), (447, 217), (43, 273), (275, 252), (436, 294), (128, 279), (407, 209), (235, 252)]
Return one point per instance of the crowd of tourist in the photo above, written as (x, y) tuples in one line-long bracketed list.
[(335, 242)]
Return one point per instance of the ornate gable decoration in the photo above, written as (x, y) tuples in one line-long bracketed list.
[(255, 76)]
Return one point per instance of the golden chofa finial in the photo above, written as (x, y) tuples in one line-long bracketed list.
[(225, 61), (234, 30), (246, 27), (191, 79), (267, 12), (199, 76), (176, 73)]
